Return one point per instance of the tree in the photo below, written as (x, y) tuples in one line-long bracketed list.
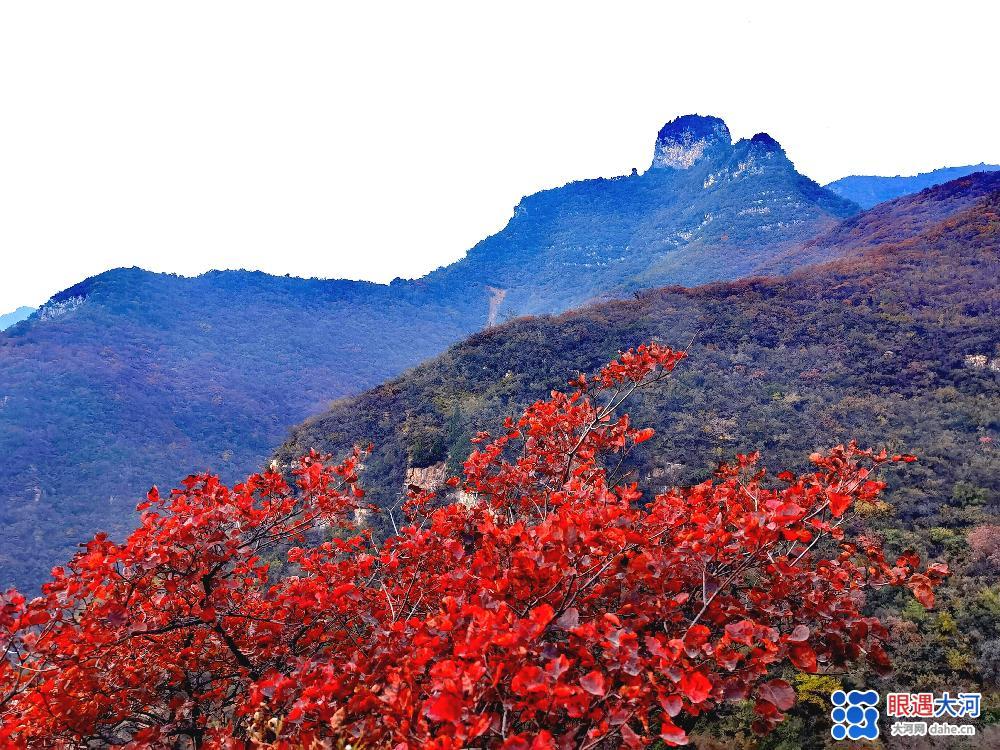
[(545, 604)]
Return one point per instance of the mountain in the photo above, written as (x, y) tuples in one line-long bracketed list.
[(897, 344), (706, 209), (867, 190), (9, 319), (886, 223), (132, 378), (898, 341)]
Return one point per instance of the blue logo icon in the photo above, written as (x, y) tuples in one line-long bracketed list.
[(854, 715)]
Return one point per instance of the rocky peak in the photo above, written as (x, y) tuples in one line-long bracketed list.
[(755, 153), (765, 143), (684, 141)]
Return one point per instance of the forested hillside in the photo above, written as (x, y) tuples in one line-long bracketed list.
[(132, 378), (896, 345), (891, 322)]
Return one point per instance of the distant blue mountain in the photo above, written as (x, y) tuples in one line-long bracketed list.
[(867, 190), (130, 377), (707, 209), (9, 319)]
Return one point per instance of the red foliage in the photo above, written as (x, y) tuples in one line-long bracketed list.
[(549, 608)]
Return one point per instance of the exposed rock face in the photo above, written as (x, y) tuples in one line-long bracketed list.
[(427, 478), (662, 478), (982, 362), (684, 141), (496, 299), (56, 309), (693, 139)]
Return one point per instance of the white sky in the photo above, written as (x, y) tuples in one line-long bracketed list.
[(373, 140)]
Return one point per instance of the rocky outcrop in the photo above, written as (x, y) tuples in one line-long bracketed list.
[(57, 308), (982, 362), (427, 478), (496, 298), (684, 141)]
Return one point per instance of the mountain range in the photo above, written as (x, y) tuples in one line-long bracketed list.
[(867, 190), (132, 378), (896, 340)]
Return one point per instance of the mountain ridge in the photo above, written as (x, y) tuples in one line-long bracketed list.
[(869, 190), (409, 427), (911, 214), (131, 378), (706, 209)]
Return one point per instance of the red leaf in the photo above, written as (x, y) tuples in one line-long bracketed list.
[(923, 593), (779, 693), (632, 739), (802, 656), (696, 686), (38, 617), (641, 436), (741, 632), (479, 724), (839, 502), (593, 683), (799, 633), (444, 707), (530, 678), (569, 619), (541, 616), (879, 659), (672, 704), (672, 734), (788, 513)]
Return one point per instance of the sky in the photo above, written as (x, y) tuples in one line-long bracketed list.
[(375, 140)]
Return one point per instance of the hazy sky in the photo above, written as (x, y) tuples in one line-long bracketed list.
[(373, 140)]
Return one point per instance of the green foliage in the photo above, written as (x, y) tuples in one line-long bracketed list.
[(965, 494)]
